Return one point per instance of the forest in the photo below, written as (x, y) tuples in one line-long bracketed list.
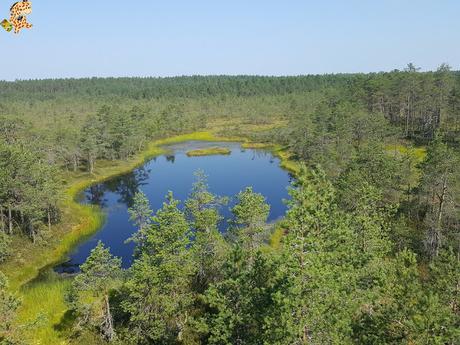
[(367, 253)]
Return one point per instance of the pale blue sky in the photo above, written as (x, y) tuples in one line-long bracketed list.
[(80, 38)]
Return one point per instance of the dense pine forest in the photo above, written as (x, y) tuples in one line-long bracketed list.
[(368, 252)]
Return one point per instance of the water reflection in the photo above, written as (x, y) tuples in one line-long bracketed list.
[(174, 171), (126, 186), (170, 158)]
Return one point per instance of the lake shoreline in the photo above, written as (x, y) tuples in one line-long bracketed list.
[(82, 221), (90, 218)]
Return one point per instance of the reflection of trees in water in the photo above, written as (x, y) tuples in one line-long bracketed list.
[(126, 186), (261, 154), (129, 185), (170, 158), (95, 195)]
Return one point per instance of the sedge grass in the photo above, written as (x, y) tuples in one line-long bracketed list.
[(249, 145), (209, 152)]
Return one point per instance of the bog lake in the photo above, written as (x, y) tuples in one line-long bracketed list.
[(175, 171)]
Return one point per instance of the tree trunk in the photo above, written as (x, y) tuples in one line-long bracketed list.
[(442, 199), (455, 305), (31, 231), (75, 163), (10, 221), (49, 219), (438, 229), (91, 164), (2, 219), (107, 324)]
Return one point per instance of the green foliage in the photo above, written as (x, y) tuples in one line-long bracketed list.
[(158, 288), (250, 215), (445, 279), (371, 222), (9, 305), (438, 196), (371, 167), (5, 249), (405, 313), (97, 270), (88, 295), (333, 279), (141, 216), (239, 304), (28, 190), (319, 258), (208, 248)]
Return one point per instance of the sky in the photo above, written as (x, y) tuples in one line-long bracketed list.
[(103, 38)]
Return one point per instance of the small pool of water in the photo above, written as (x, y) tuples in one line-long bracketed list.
[(227, 175)]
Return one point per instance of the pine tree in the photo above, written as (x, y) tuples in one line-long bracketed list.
[(238, 305), (140, 215), (208, 247), (316, 305), (439, 188), (89, 293), (445, 279), (405, 313), (250, 215), (158, 292)]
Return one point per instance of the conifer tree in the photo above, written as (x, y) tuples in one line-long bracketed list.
[(208, 246), (439, 189), (89, 293), (250, 215), (158, 292)]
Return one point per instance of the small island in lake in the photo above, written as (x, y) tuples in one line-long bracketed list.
[(209, 151)]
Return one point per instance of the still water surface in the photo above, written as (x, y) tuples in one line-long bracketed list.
[(227, 175)]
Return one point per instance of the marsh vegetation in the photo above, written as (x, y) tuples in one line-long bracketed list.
[(209, 152)]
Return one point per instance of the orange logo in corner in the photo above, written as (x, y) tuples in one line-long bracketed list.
[(18, 17)]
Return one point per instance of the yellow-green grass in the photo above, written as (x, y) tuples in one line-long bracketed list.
[(44, 301), (78, 222), (222, 125), (209, 152), (286, 159), (199, 136), (276, 237), (249, 145), (419, 153)]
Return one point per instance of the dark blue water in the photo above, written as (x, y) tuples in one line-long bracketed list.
[(227, 175)]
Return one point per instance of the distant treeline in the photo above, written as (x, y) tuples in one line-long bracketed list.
[(187, 87), (418, 102)]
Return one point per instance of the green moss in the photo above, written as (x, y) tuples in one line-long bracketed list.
[(209, 152)]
